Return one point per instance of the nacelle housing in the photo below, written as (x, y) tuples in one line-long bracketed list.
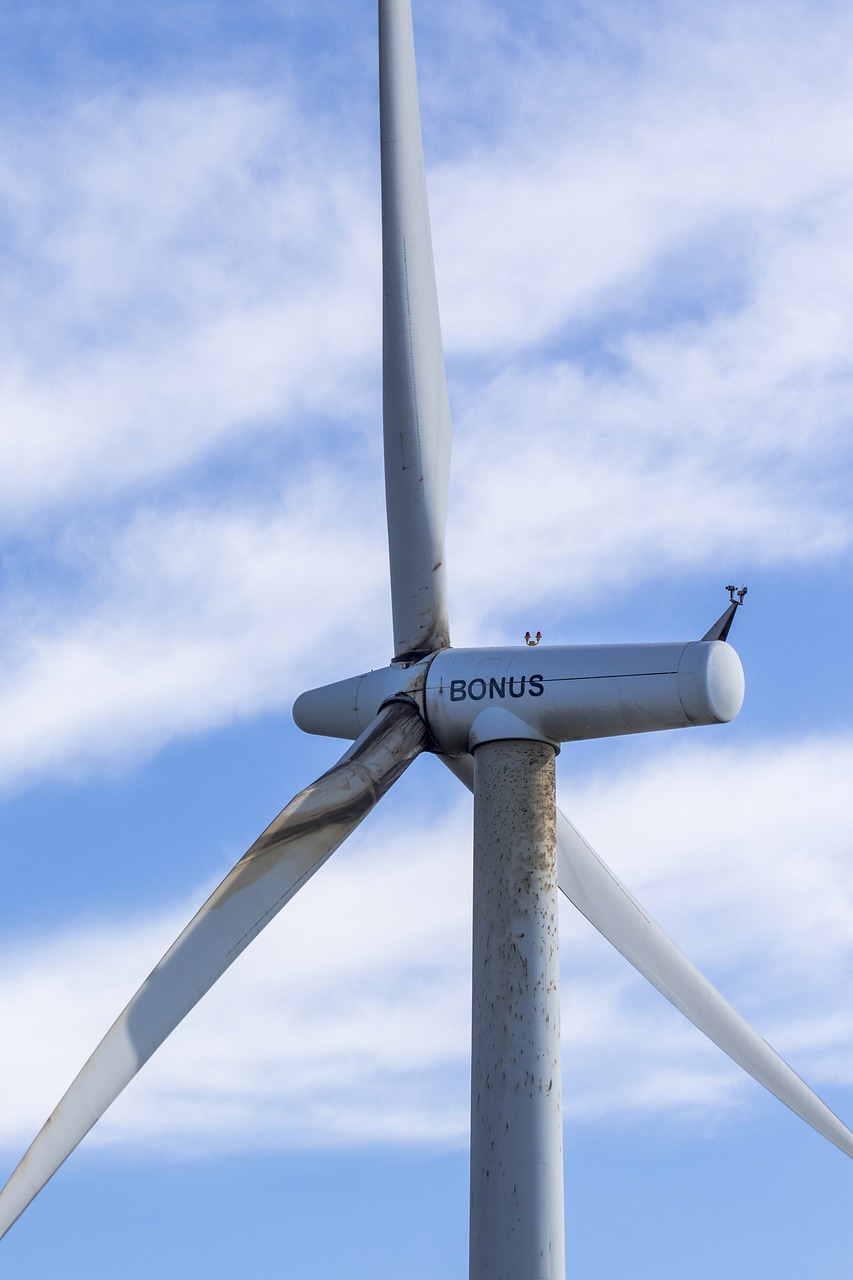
[(555, 693)]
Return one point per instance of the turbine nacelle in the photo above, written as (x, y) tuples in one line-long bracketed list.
[(555, 693)]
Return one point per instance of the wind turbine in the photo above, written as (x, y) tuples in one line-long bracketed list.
[(496, 717)]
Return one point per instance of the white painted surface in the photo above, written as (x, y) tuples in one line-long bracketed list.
[(517, 1216), (416, 411), (562, 693)]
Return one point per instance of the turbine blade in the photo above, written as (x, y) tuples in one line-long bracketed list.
[(280, 861), (603, 899), (596, 892), (416, 411)]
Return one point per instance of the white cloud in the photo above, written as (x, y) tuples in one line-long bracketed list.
[(644, 271), (344, 1022), (647, 311), (745, 857), (189, 619), (613, 482), (187, 266), (348, 1020), (599, 174)]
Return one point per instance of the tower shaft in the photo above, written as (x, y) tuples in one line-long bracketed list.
[(517, 1213)]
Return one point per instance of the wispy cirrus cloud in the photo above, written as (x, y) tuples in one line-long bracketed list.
[(348, 1020), (184, 264), (641, 221), (183, 621), (647, 315)]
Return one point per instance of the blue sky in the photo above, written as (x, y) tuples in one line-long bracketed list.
[(643, 237)]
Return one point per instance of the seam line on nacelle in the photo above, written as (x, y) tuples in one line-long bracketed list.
[(614, 675)]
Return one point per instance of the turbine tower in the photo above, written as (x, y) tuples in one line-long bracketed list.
[(496, 717)]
